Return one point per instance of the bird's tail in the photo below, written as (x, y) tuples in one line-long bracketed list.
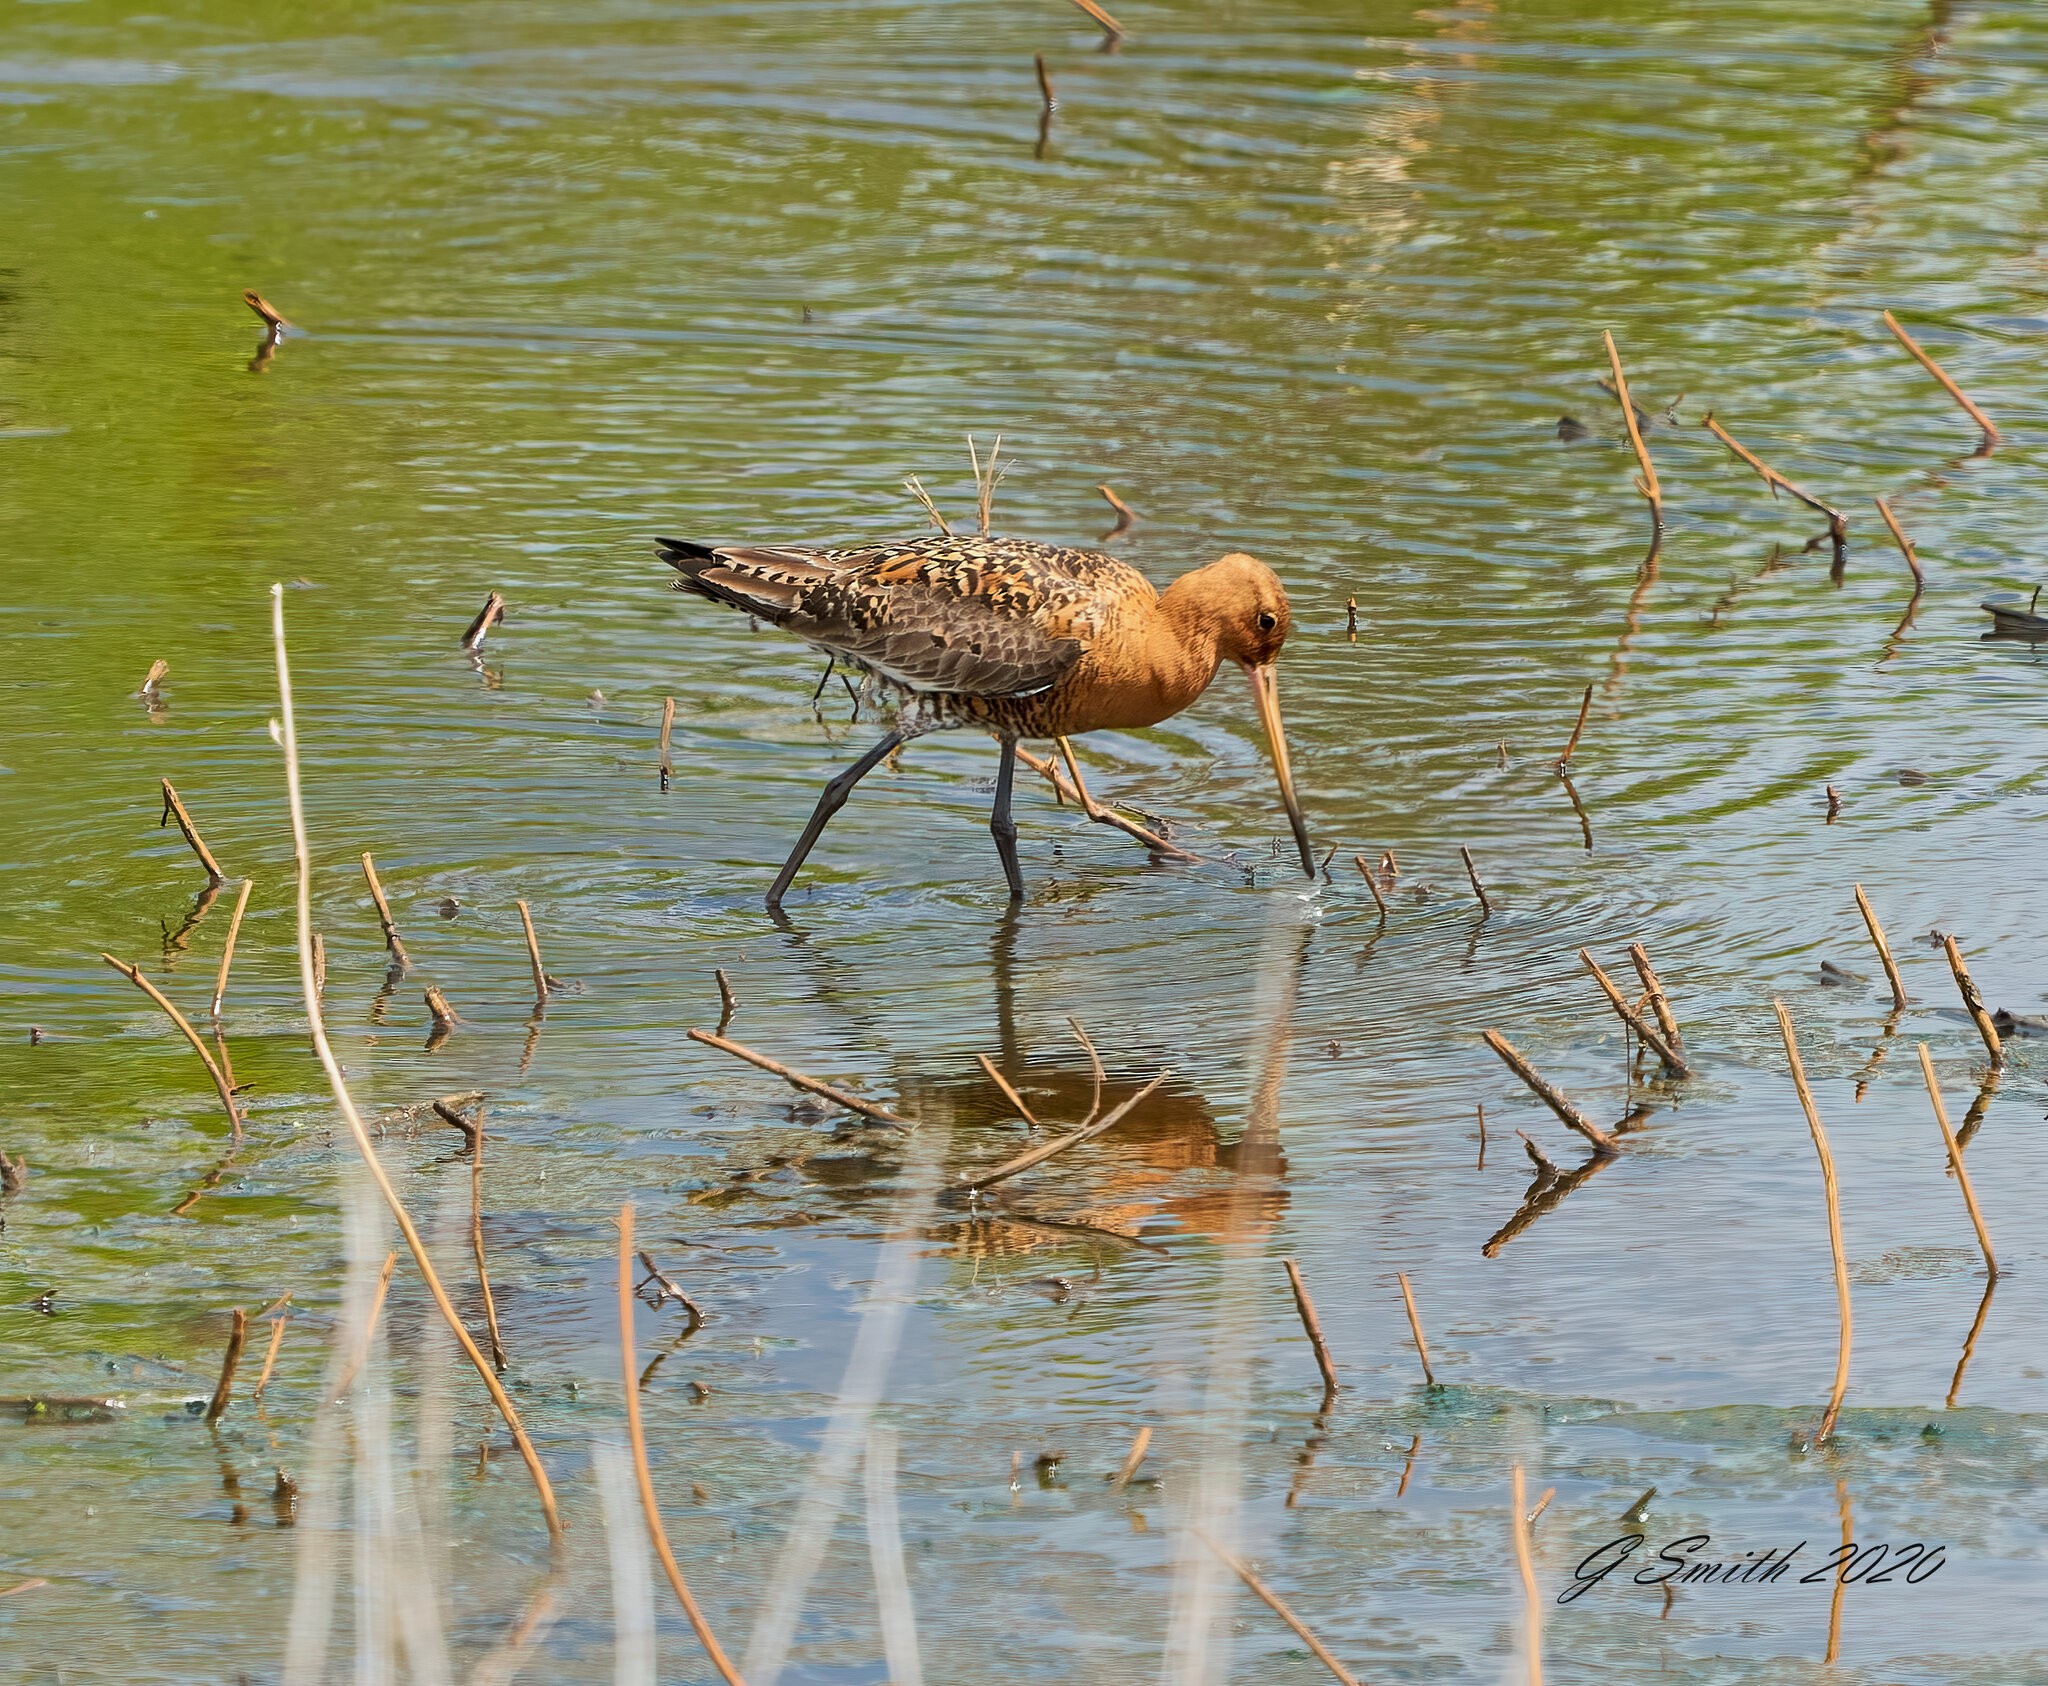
[(757, 579)]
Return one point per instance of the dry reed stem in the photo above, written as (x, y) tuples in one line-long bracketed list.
[(1478, 889), (1974, 1003), (1351, 634), (221, 1085), (1573, 1118), (13, 1173), (319, 964), (1827, 1176), (1372, 883), (728, 1003), (445, 1017), (672, 1290), (1126, 517), (540, 976), (1542, 1504), (985, 481), (797, 1080), (1415, 1328), (1647, 483), (1660, 1003), (1108, 24), (227, 953), (174, 808), (1136, 1456), (1955, 1158), (1673, 1060), (1094, 1067), (361, 1355), (1045, 1150), (265, 309), (23, 1586), (1990, 427), (1045, 93), (1062, 791), (1837, 528), (277, 1324), (1010, 1094), (1905, 544), (286, 733), (657, 1535), (479, 629), (224, 1389), (475, 1133), (915, 487), (1305, 1308), (1572, 743), (1271, 1599), (1884, 949), (668, 724), (154, 677), (392, 942), (1532, 1604)]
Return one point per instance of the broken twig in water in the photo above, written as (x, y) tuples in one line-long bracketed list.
[(797, 1080), (1884, 949), (985, 479), (361, 1356), (1126, 517), (1646, 482), (1272, 1601), (1660, 1003), (728, 1003), (1415, 1328), (1603, 1143), (1372, 883), (541, 981), (445, 1018), (1572, 743), (473, 1144), (227, 953), (1673, 1060), (669, 1290), (1974, 1003), (1827, 1175), (975, 1183), (1094, 1068), (1478, 889), (1136, 1456), (1838, 531), (668, 722), (657, 1535), (1305, 1308), (285, 731), (1991, 433), (277, 1324), (265, 309), (392, 942), (1107, 24), (175, 809), (221, 1085), (479, 629), (1955, 1158), (1010, 1094), (1905, 544), (1048, 104), (225, 1388)]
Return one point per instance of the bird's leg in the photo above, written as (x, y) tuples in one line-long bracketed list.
[(1099, 815), (829, 803), (824, 679), (1001, 826)]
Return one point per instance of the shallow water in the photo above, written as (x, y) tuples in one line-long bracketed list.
[(1311, 282)]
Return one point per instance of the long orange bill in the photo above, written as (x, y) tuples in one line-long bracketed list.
[(1266, 693)]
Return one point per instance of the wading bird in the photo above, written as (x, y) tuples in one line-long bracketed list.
[(1022, 640)]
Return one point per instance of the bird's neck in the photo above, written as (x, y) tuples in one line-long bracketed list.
[(1187, 648)]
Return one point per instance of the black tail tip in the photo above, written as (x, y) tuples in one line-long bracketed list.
[(684, 555)]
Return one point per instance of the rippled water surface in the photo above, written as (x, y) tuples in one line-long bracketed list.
[(1315, 282)]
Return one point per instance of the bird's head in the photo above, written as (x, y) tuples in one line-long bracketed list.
[(1245, 605)]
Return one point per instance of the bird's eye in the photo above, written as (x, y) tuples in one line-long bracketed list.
[(1268, 620)]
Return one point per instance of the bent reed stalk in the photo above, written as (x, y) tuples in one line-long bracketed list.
[(286, 733), (1827, 1176)]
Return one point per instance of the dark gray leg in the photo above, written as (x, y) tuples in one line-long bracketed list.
[(1001, 826), (833, 799)]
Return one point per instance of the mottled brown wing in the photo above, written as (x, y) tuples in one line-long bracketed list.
[(970, 617)]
